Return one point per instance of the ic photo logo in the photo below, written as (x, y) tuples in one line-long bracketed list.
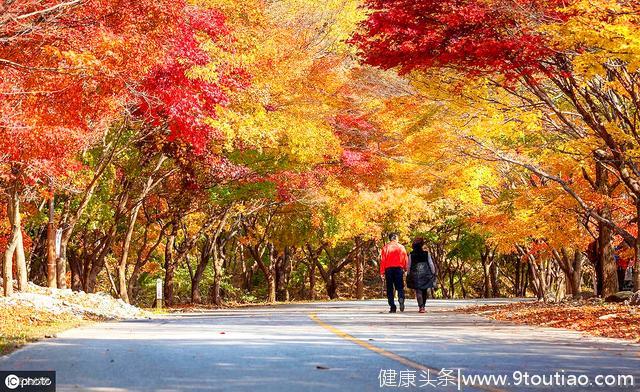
[(12, 381), (28, 381)]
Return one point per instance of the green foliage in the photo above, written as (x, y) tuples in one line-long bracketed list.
[(227, 194), (467, 246)]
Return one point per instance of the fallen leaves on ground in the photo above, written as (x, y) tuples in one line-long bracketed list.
[(608, 320), (42, 312), (23, 324)]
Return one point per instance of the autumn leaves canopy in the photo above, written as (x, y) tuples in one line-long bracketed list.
[(554, 93), (161, 128)]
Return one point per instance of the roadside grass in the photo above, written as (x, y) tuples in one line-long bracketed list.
[(600, 319), (21, 325)]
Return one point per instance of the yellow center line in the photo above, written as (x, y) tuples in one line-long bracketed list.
[(388, 354)]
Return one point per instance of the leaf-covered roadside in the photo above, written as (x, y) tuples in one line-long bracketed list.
[(20, 325), (43, 312), (608, 320)]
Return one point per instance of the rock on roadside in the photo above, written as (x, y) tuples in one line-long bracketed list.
[(635, 299), (619, 297)]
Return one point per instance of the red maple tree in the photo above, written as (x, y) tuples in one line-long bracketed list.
[(477, 36)]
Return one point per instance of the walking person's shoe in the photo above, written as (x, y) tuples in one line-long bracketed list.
[(392, 310), (401, 300), (421, 310)]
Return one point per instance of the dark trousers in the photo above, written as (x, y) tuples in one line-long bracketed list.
[(621, 274), (421, 297), (394, 277)]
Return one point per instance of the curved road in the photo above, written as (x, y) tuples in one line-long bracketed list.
[(340, 346)]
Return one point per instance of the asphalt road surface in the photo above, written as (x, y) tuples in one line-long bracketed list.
[(330, 346)]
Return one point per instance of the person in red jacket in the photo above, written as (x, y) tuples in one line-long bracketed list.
[(393, 264)]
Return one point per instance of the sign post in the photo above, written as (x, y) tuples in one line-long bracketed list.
[(159, 293), (58, 242)]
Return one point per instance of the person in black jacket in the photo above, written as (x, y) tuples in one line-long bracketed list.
[(422, 272)]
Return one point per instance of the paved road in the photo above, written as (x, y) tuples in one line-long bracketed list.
[(341, 346)]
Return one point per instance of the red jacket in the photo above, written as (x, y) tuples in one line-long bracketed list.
[(393, 255)]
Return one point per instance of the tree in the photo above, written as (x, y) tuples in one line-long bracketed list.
[(65, 68), (520, 45)]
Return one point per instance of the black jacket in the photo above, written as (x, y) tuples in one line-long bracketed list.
[(420, 274)]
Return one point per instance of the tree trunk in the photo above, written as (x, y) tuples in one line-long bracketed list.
[(487, 281), (61, 266), (462, 287), (75, 266), (575, 280), (288, 265), (214, 294), (216, 297), (537, 272), (537, 285), (99, 262), (282, 271), (495, 282), (123, 291), (517, 281), (16, 224), (65, 231), (271, 282), (486, 261), (332, 286), (609, 273), (92, 278), (269, 271), (205, 256), (126, 245), (313, 265), (37, 260), (122, 265), (14, 247), (21, 261), (169, 266), (571, 266), (7, 270), (51, 246), (312, 280), (217, 251), (133, 287), (246, 277), (566, 267), (360, 277), (196, 297), (360, 258), (525, 279), (281, 278), (452, 287)]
